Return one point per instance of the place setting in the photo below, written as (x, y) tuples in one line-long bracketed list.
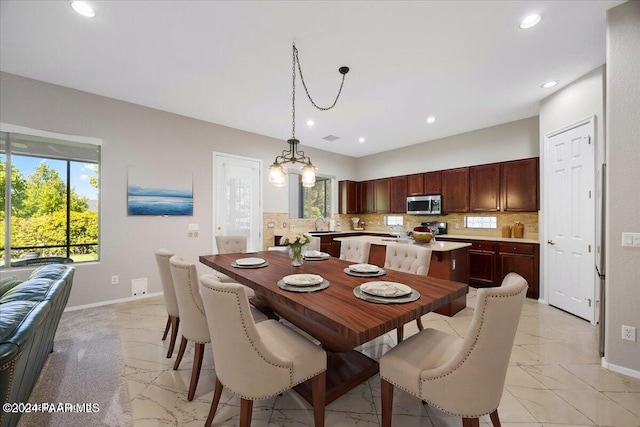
[(316, 256), (251, 262), (364, 270), (303, 283), (384, 292)]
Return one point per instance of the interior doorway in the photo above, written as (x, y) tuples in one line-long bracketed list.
[(569, 218), (237, 196)]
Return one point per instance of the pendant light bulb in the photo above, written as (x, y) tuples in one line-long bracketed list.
[(308, 175), (277, 175)]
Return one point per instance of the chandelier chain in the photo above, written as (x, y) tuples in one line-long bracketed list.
[(293, 94), (297, 59)]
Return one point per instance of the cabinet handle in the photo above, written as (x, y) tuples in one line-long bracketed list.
[(551, 242)]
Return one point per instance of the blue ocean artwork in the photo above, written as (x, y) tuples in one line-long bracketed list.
[(158, 201)]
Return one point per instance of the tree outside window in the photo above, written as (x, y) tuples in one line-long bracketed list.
[(54, 201), (315, 202)]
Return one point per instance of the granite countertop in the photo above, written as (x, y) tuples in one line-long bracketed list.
[(385, 241), (488, 238)]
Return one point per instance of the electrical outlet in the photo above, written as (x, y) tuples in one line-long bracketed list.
[(115, 280), (628, 333)]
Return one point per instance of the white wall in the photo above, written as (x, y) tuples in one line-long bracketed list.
[(136, 135), (577, 100), (623, 158), (508, 141)]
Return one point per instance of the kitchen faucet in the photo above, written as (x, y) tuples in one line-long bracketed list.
[(316, 223)]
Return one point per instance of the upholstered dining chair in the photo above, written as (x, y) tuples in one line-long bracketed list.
[(414, 259), (170, 301), (257, 360), (355, 250), (465, 376), (314, 244), (231, 244), (194, 321)]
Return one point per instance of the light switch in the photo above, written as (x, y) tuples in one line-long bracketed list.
[(194, 227), (631, 240)]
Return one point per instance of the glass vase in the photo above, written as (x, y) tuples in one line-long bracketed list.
[(295, 254)]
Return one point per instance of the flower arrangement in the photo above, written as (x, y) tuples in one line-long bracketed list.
[(299, 239), (296, 244)]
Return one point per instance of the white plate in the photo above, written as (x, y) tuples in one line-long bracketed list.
[(316, 255), (364, 268), (386, 289), (302, 279), (243, 262)]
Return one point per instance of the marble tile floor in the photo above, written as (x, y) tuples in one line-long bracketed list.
[(554, 379)]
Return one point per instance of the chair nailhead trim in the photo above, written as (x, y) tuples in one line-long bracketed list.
[(244, 327), (475, 341)]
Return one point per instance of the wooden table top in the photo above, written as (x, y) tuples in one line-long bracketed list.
[(335, 316)]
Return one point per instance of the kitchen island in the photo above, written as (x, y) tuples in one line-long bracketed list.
[(449, 261)]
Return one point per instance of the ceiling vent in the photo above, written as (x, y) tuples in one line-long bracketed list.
[(331, 138)]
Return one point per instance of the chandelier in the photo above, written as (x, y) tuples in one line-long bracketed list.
[(277, 172)]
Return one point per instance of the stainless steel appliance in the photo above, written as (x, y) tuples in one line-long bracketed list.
[(424, 205), (437, 228)]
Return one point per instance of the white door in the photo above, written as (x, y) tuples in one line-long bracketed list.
[(570, 220), (237, 194)]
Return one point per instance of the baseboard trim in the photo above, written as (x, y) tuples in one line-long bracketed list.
[(115, 301), (620, 369)]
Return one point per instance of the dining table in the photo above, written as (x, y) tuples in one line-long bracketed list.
[(335, 316)]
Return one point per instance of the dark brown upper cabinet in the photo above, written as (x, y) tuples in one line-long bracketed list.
[(369, 197), (455, 190), (433, 182), (415, 184), (520, 185), (382, 200), (398, 196), (349, 201), (484, 188)]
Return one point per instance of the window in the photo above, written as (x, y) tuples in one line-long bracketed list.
[(315, 202), (393, 220), (312, 202), (51, 214)]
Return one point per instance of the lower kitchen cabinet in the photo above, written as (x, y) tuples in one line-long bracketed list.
[(524, 259), (490, 262), (482, 264)]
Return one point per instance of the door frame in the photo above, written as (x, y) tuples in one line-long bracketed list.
[(544, 252), (214, 208)]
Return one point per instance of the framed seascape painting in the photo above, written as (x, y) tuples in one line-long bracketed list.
[(164, 193)]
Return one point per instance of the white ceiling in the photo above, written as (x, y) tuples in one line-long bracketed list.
[(229, 62)]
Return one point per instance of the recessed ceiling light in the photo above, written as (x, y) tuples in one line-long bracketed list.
[(310, 123), (550, 84), (361, 139), (530, 21), (431, 119), (83, 8)]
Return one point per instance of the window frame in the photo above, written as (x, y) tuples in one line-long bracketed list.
[(12, 130)]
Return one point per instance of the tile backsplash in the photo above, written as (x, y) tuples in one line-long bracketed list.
[(284, 226)]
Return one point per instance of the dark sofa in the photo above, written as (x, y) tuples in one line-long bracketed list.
[(29, 316)]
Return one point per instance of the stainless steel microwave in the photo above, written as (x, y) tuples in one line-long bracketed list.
[(424, 205)]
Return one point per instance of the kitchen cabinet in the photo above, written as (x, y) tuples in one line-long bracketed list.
[(382, 198), (490, 261), (398, 194), (484, 188), (522, 259), (415, 185), (504, 187), (433, 182), (455, 190), (482, 264), (369, 197), (349, 197), (520, 185)]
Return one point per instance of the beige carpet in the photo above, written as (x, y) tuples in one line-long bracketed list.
[(85, 368)]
